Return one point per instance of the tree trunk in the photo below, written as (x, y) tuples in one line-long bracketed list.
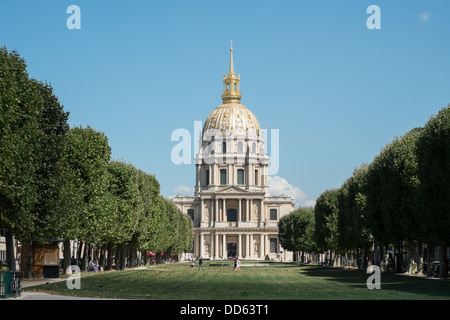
[(10, 259), (411, 254), (443, 270), (67, 258), (365, 257), (123, 256), (379, 256), (110, 255), (85, 261), (101, 260), (132, 255), (117, 257), (420, 257), (430, 258)]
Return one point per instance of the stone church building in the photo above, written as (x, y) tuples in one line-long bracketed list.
[(232, 211)]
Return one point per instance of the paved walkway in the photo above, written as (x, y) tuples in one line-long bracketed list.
[(31, 295)]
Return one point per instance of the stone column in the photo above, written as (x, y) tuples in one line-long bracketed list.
[(197, 176), (247, 246), (247, 202), (224, 246), (250, 251), (224, 209), (239, 210), (202, 239), (216, 246), (216, 211), (239, 246), (210, 180), (261, 244), (266, 244), (201, 211)]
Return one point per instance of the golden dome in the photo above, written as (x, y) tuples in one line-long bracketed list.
[(232, 118)]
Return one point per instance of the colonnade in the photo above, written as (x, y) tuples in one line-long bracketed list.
[(244, 207), (248, 245)]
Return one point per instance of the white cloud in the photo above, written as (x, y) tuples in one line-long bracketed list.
[(280, 186), (425, 16), (183, 190)]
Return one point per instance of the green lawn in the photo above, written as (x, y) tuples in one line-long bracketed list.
[(277, 281)]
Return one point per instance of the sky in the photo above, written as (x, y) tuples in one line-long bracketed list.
[(336, 89)]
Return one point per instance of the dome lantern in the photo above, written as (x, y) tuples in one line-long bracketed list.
[(231, 87), (231, 118)]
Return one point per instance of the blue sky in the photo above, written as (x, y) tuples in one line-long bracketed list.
[(337, 91)]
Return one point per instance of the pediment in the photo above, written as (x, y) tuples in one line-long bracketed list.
[(232, 189)]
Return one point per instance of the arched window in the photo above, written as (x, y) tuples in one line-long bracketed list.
[(240, 147)]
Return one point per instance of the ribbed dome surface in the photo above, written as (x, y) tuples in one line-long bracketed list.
[(229, 119)]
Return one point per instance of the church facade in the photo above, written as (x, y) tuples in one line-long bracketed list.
[(232, 211)]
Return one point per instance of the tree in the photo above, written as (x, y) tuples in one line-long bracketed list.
[(296, 231), (84, 194), (49, 172), (32, 129), (325, 215), (433, 155), (392, 194), (353, 230)]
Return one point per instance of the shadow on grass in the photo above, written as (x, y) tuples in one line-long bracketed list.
[(428, 288)]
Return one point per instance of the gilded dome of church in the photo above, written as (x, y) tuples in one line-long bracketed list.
[(231, 117)]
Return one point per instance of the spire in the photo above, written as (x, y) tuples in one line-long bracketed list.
[(231, 71), (231, 84)]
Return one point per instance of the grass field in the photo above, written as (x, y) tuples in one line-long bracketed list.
[(273, 282)]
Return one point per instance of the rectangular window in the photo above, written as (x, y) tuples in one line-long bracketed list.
[(256, 177), (223, 176), (240, 176), (273, 245), (207, 178), (231, 215), (190, 213), (273, 214)]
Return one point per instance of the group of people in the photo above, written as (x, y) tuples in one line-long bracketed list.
[(192, 262), (237, 263)]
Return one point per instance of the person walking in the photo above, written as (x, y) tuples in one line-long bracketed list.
[(200, 263), (237, 264), (192, 261)]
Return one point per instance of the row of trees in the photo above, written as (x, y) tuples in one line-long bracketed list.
[(60, 182), (401, 200)]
